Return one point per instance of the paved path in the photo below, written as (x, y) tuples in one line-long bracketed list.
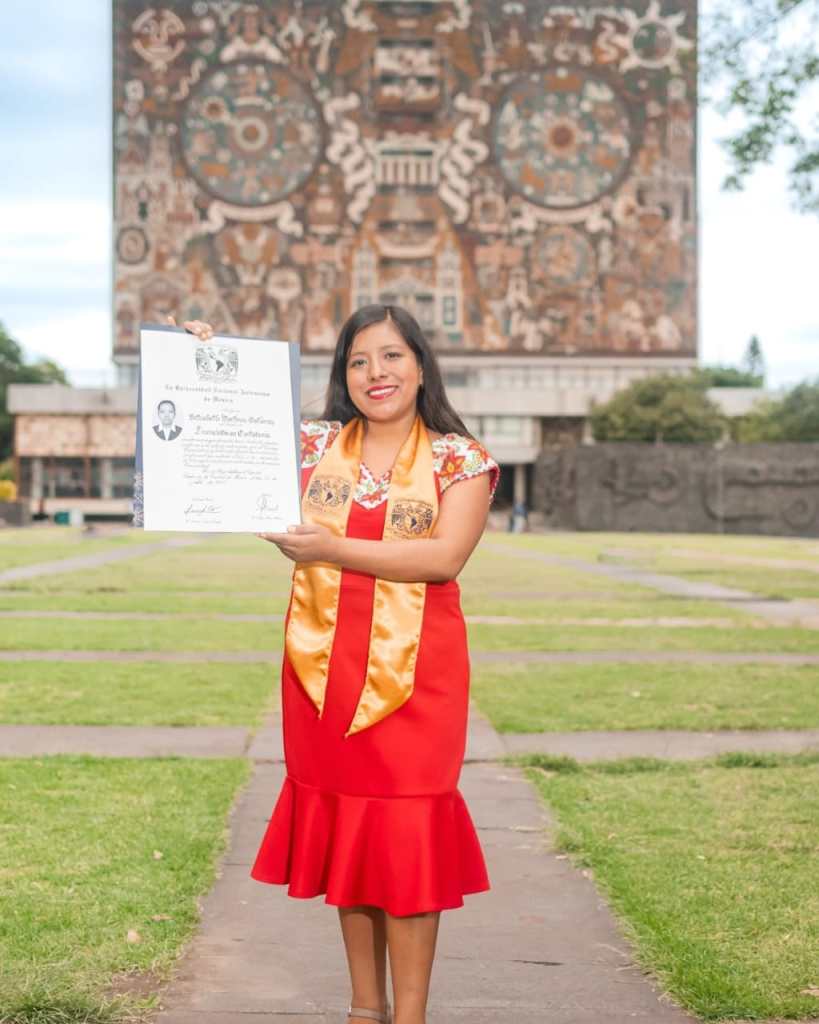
[(483, 743), (540, 946), (510, 657), (796, 613), (669, 744), (124, 740), (93, 561)]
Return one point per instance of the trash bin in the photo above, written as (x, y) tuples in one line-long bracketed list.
[(62, 518)]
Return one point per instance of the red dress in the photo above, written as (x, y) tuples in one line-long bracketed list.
[(377, 818)]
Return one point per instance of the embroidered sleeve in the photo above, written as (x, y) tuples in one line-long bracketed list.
[(316, 435), (463, 457)]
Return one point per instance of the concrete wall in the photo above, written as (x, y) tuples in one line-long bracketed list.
[(754, 488)]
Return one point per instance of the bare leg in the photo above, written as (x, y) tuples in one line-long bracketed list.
[(411, 943), (365, 942)]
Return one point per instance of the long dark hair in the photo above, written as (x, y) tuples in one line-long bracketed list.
[(433, 405)]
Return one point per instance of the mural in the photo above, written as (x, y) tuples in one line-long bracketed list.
[(742, 488), (519, 175)]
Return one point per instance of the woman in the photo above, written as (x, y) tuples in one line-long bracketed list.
[(375, 675)]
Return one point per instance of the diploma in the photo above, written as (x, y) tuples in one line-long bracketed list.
[(218, 442)]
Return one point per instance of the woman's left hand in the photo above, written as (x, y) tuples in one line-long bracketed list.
[(308, 542)]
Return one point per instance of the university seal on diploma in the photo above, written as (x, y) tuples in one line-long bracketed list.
[(230, 407)]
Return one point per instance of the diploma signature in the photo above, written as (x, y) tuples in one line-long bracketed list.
[(266, 507), (202, 507)]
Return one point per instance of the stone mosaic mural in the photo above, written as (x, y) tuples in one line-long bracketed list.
[(741, 488), (519, 175)]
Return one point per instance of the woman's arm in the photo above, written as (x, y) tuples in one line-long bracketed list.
[(461, 520)]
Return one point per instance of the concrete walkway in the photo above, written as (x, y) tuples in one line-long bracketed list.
[(93, 561), (668, 744), (540, 946), (483, 743)]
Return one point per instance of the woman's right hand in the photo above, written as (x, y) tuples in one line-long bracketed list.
[(202, 331)]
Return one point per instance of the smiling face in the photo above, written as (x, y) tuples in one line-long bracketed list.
[(383, 373)]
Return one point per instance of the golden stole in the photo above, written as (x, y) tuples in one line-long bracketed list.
[(398, 608)]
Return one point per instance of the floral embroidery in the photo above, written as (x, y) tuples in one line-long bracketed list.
[(316, 435), (451, 465), (455, 458)]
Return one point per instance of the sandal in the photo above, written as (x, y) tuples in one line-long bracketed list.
[(384, 1018)]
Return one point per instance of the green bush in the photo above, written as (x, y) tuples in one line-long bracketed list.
[(660, 408), (794, 417)]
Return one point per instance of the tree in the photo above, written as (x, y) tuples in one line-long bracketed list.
[(760, 59), (729, 377), (15, 370), (794, 417), (659, 408), (754, 360)]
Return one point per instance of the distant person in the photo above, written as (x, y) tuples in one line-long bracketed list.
[(167, 430), (375, 675), (520, 517)]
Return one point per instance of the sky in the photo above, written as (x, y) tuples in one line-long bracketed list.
[(758, 256)]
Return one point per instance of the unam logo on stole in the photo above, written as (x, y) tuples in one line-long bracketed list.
[(411, 518), (217, 362), (328, 492)]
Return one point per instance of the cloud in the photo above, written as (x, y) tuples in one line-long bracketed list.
[(79, 340), (757, 268), (55, 272)]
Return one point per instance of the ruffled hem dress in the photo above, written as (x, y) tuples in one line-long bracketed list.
[(376, 818)]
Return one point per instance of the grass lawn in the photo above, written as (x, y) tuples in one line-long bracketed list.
[(712, 868), (563, 698), (646, 609), (654, 638), (108, 693), (77, 842), (215, 635), (140, 635), (209, 565), (767, 566), (126, 599), (51, 543), (490, 568), (591, 545), (772, 583)]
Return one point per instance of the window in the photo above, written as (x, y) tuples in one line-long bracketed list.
[(456, 378), (64, 478), (24, 483), (511, 428), (122, 478)]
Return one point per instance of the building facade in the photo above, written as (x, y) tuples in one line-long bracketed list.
[(520, 175), (74, 447)]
